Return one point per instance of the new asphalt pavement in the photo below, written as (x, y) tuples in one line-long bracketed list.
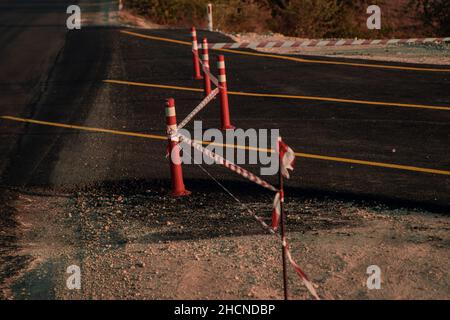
[(391, 145)]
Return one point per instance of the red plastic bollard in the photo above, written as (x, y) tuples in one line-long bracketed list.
[(195, 57), (205, 59), (176, 172), (224, 109)]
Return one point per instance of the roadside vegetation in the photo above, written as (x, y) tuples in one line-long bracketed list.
[(435, 14), (304, 18)]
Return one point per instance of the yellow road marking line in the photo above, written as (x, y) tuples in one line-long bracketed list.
[(373, 163), (91, 129), (281, 57), (151, 85), (281, 96), (140, 35), (299, 154)]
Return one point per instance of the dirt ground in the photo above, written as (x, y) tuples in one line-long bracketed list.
[(142, 244)]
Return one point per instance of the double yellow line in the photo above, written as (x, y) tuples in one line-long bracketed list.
[(299, 154), (289, 58)]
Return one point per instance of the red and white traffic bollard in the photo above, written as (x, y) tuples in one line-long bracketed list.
[(176, 172), (205, 59), (195, 58), (224, 109)]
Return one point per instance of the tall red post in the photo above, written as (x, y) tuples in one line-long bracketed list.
[(205, 59), (176, 172), (195, 57), (282, 222), (224, 109)]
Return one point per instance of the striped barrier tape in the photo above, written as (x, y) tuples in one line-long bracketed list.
[(175, 136), (322, 43), (211, 76), (197, 109), (308, 284), (226, 163), (250, 176)]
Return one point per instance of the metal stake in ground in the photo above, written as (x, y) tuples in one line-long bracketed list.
[(224, 109), (195, 58), (282, 222), (210, 17), (205, 59), (176, 172)]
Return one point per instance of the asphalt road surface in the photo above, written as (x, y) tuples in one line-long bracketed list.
[(49, 73)]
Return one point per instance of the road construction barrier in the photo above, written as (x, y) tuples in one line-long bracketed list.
[(176, 172), (323, 43), (224, 110), (195, 57), (226, 163), (254, 178), (221, 83), (206, 70), (175, 138)]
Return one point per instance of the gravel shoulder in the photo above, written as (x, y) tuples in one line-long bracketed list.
[(135, 242)]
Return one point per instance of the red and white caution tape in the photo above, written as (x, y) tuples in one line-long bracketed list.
[(211, 76), (322, 43), (198, 108), (175, 136), (287, 156), (276, 210), (227, 164), (308, 284)]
